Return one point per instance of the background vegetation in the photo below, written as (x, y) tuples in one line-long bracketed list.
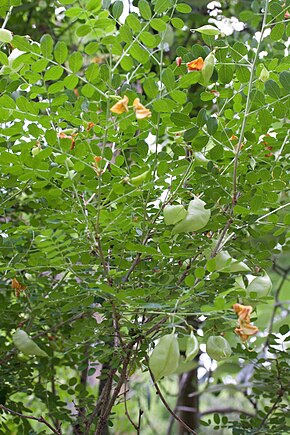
[(89, 267)]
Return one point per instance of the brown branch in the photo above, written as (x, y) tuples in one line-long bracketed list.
[(126, 408), (166, 404), (139, 422), (132, 267), (104, 396), (30, 417), (107, 409), (271, 410), (101, 406), (223, 233)]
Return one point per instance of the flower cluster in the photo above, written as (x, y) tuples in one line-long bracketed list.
[(122, 106), (244, 329)]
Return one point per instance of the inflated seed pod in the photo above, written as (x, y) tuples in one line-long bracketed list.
[(207, 70), (26, 345), (196, 218), (261, 285), (192, 347), (5, 36), (139, 179), (173, 214), (218, 348), (165, 357)]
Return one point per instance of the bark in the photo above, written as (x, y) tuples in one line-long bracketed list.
[(190, 417)]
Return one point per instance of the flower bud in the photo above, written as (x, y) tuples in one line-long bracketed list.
[(264, 75)]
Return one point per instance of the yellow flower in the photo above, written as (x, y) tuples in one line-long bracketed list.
[(243, 311), (121, 106), (140, 110), (244, 329), (195, 65)]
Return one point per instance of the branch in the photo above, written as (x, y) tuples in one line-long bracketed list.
[(275, 405), (107, 409), (29, 417), (167, 406), (7, 17), (241, 137)]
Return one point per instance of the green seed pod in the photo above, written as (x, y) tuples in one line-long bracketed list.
[(165, 357), (173, 214), (218, 348), (26, 345), (185, 366), (197, 217), (261, 285), (207, 70), (136, 181), (5, 36), (192, 347), (225, 263)]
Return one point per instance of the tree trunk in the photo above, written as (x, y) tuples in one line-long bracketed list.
[(188, 406)]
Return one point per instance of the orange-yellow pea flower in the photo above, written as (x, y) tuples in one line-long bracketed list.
[(243, 311), (195, 65), (244, 329), (247, 331), (17, 287), (121, 106), (140, 110), (90, 126)]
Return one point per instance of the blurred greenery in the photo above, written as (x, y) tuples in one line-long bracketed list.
[(89, 268)]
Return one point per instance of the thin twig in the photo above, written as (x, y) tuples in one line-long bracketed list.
[(7, 17), (126, 407), (30, 417), (241, 136), (167, 406)]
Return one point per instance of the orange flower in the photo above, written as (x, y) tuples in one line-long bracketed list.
[(245, 332), (195, 65), (244, 329), (17, 287), (243, 311), (121, 106), (233, 137), (140, 110), (90, 126), (63, 135)]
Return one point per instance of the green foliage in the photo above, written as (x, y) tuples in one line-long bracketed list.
[(120, 228)]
